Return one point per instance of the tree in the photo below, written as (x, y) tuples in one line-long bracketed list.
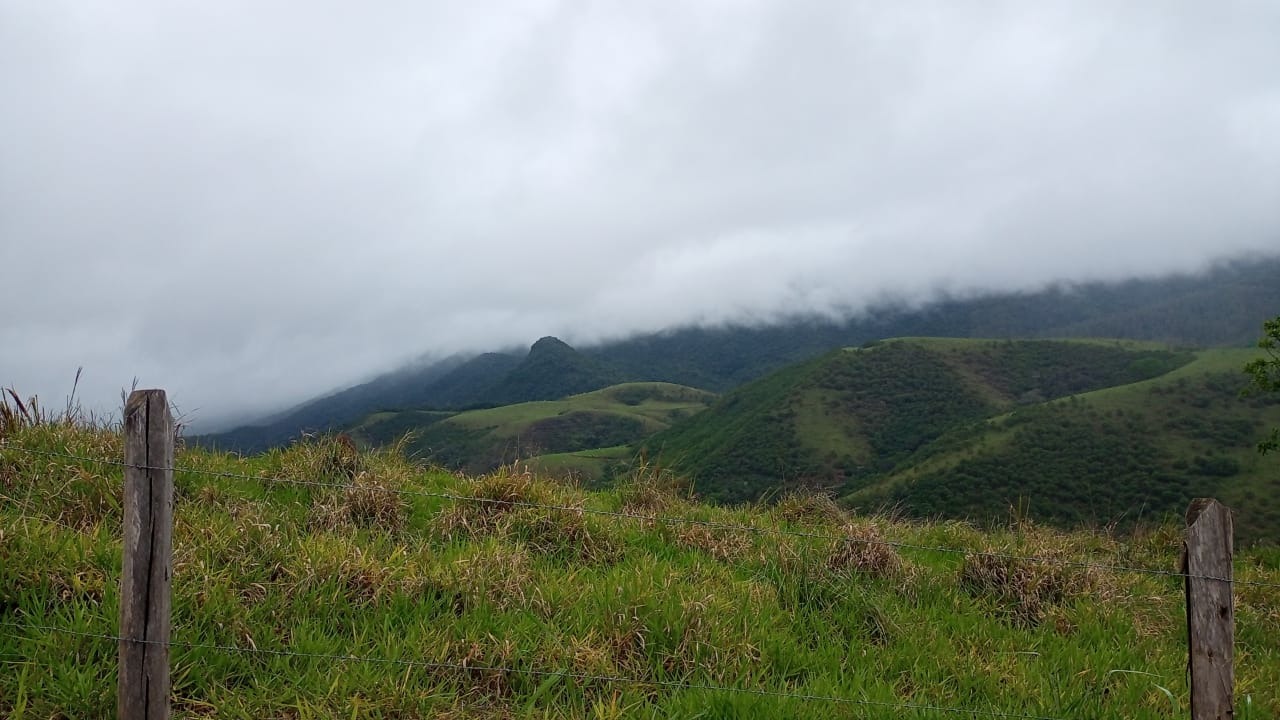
[(1265, 372)]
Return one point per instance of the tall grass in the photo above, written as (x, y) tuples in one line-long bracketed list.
[(499, 593)]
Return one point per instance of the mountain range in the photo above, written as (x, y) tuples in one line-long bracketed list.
[(1223, 306), (1094, 432)]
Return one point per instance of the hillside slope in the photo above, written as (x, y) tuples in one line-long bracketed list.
[(968, 428), (383, 591), (552, 370), (463, 386), (1106, 456), (403, 388), (1222, 306), (480, 440)]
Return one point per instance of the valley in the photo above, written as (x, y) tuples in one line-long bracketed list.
[(930, 423)]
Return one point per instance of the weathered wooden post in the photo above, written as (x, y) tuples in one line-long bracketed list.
[(1210, 612), (148, 558)]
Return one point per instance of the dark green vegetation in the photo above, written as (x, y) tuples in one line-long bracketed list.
[(551, 371), (1265, 374), (490, 593), (1070, 432), (481, 440), (1224, 306), (390, 427), (404, 388)]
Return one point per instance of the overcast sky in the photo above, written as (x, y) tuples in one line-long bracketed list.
[(249, 203)]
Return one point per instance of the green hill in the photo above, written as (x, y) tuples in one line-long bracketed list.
[(464, 385), (973, 428), (1107, 456), (480, 440), (380, 590), (552, 370), (1224, 305)]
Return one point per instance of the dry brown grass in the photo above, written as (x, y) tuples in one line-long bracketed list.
[(491, 499), (498, 574), (723, 545), (586, 654), (358, 489), (547, 518), (480, 668), (809, 507), (567, 534), (1026, 591), (369, 502), (322, 459), (365, 576), (863, 550), (629, 642), (651, 490), (16, 414), (82, 584)]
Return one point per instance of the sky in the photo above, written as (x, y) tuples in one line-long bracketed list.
[(251, 203)]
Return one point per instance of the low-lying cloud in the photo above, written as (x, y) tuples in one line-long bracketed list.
[(251, 203)]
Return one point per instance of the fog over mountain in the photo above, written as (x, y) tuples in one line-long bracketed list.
[(249, 204)]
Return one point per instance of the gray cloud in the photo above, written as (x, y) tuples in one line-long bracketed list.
[(249, 203)]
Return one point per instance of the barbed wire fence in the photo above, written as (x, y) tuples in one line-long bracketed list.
[(664, 519), (1218, 578)]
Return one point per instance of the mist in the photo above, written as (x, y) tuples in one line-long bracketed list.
[(250, 204)]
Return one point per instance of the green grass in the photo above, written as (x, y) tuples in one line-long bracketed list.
[(654, 402), (389, 426), (1109, 455), (847, 420), (368, 570), (480, 440), (585, 466), (1076, 432)]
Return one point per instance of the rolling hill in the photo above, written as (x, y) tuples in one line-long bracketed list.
[(549, 371), (1222, 306), (1070, 431), (480, 440), (552, 370), (380, 589)]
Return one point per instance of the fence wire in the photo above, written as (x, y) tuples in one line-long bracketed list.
[(710, 524), (531, 672)]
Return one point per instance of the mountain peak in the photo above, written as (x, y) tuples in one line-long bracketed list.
[(552, 370), (550, 344)]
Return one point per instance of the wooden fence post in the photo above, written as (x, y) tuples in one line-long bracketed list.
[(148, 558), (1210, 613)]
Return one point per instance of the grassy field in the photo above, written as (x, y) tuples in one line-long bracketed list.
[(1075, 432), (480, 440), (1142, 447), (845, 419), (656, 403), (477, 605), (583, 466)]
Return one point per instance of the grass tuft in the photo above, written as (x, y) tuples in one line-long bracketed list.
[(722, 545), (809, 507), (1025, 591), (862, 550), (349, 570), (566, 534), (651, 489), (492, 573), (493, 498), (368, 502), (332, 458)]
